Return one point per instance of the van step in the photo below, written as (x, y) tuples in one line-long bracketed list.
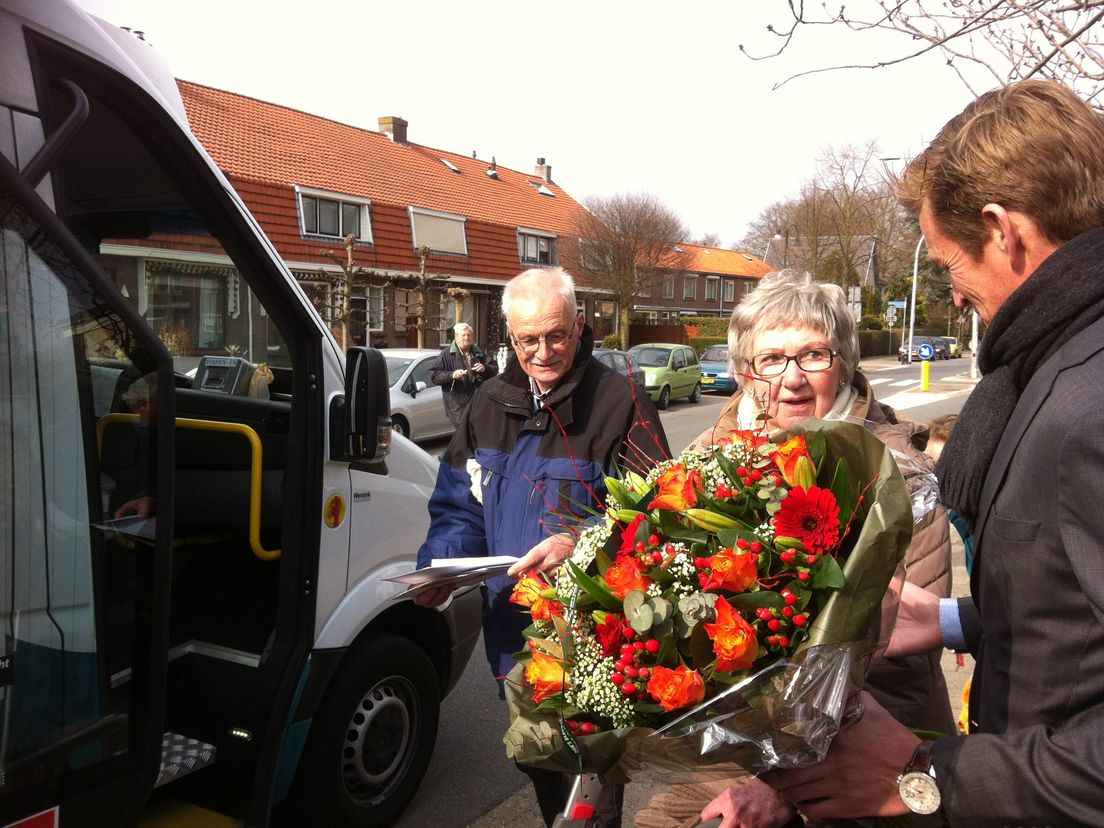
[(180, 755)]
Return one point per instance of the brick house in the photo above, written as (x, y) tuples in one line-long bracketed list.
[(712, 283)]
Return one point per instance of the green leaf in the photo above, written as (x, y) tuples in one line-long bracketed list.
[(817, 445), (786, 542), (754, 600), (603, 560), (594, 588), (621, 493), (728, 537), (845, 493), (827, 574)]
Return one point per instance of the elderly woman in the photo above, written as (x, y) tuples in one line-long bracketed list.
[(794, 344)]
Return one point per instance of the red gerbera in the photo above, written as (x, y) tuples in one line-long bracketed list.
[(628, 535), (811, 516)]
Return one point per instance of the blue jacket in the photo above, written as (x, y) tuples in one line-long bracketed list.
[(541, 472)]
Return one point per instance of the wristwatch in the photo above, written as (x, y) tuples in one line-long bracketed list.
[(916, 784)]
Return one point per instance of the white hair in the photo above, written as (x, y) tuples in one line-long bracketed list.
[(539, 280), (460, 326)]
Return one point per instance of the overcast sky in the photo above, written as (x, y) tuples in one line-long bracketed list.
[(617, 96)]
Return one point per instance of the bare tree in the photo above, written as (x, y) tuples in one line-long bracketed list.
[(625, 242), (709, 240), (344, 285), (1003, 41)]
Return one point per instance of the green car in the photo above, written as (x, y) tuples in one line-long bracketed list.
[(669, 371)]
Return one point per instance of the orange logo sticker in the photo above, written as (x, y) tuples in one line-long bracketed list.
[(334, 511)]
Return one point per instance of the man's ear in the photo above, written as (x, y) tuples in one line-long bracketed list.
[(1005, 234)]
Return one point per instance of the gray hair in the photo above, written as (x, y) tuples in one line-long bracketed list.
[(788, 299), (460, 326), (536, 281)]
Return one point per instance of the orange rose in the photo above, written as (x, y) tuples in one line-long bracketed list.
[(676, 688), (730, 570), (626, 574), (734, 639), (787, 457), (678, 489), (745, 437), (546, 675), (529, 592)]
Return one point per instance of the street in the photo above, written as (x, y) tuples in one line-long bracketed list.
[(470, 782)]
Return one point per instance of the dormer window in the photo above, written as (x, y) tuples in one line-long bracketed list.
[(333, 216), (440, 232), (536, 247)]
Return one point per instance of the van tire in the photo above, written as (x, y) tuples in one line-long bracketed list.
[(372, 738)]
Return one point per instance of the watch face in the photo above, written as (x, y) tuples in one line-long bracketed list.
[(919, 793)]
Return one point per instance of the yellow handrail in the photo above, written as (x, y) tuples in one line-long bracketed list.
[(256, 457)]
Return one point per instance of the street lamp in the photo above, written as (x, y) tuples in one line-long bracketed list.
[(776, 237), (912, 310)]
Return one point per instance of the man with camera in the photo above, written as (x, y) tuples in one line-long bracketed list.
[(459, 368)]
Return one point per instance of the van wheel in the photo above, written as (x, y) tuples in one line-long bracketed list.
[(399, 426), (372, 738), (696, 396), (664, 398)]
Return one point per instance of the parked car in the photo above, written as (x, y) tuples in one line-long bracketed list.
[(417, 410), (939, 348), (954, 347), (716, 372), (620, 362), (669, 371)]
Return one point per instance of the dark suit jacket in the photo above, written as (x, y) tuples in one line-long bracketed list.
[(1036, 752)]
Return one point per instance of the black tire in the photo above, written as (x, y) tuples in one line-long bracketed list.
[(664, 398), (695, 396), (400, 426), (372, 738)]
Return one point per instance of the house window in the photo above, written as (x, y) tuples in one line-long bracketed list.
[(711, 290), (333, 216), (187, 308), (596, 256), (690, 287), (536, 247), (729, 290), (668, 288), (440, 232), (367, 311)]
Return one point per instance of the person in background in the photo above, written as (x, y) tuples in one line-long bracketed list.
[(526, 463), (1010, 198), (459, 369), (795, 344)]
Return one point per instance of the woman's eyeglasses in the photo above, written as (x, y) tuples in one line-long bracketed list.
[(771, 365)]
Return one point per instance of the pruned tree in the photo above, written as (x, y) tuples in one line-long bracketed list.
[(625, 243), (982, 40), (343, 286)]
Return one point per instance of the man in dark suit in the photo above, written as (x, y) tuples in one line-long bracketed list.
[(1010, 198)]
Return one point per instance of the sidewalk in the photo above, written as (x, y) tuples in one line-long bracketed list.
[(520, 809)]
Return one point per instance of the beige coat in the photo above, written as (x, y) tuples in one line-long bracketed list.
[(912, 689)]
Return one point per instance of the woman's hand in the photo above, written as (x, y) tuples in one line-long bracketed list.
[(754, 804)]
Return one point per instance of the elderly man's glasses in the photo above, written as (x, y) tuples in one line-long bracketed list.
[(771, 365), (529, 344)]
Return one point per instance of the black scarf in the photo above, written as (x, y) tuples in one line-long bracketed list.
[(1061, 298)]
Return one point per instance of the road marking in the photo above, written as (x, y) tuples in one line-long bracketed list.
[(903, 383), (879, 381), (905, 400)]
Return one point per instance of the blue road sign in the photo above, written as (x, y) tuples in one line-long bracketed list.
[(925, 351)]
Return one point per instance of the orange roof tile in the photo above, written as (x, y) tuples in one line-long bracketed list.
[(264, 142), (721, 262)]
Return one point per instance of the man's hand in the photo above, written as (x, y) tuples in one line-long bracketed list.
[(143, 506), (858, 777), (458, 374), (545, 556), (754, 804), (434, 596), (917, 626), (479, 367)]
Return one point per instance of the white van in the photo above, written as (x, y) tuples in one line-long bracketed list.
[(199, 509)]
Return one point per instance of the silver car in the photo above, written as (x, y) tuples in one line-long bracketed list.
[(417, 410)]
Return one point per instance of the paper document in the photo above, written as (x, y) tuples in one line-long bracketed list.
[(138, 528), (454, 572)]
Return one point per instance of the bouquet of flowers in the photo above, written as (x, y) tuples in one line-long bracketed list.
[(719, 613)]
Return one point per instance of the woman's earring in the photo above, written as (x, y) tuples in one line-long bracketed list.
[(843, 384)]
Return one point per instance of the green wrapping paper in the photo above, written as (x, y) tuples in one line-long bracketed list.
[(786, 712)]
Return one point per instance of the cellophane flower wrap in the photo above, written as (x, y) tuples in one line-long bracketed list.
[(719, 616)]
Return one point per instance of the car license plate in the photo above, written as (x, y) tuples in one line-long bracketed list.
[(707, 380)]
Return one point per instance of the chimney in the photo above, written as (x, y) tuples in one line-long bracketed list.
[(544, 170), (394, 128)]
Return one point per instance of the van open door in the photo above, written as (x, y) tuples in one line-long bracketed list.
[(85, 551)]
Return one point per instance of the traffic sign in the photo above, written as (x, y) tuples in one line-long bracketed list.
[(925, 351)]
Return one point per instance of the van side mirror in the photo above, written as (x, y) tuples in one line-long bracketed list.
[(365, 424)]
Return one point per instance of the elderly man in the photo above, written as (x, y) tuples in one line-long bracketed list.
[(1010, 198), (538, 442), (459, 368)]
